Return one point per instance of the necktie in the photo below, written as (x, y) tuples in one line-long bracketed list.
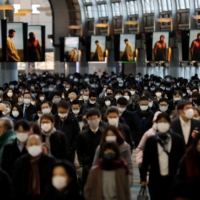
[(25, 112)]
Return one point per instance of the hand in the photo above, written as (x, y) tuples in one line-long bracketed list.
[(195, 133), (144, 184)]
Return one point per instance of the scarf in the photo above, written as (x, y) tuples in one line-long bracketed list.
[(143, 113), (113, 165), (163, 140), (192, 169), (34, 176), (47, 140)]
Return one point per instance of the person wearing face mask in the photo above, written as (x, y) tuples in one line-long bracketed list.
[(20, 99), (110, 178), (147, 134), (177, 96), (161, 157), (55, 141), (117, 94), (92, 103), (185, 126), (6, 133), (55, 100), (32, 171), (188, 173), (163, 105), (71, 96), (28, 109), (41, 98), (88, 140), (64, 184), (142, 119), (86, 95), (16, 149), (107, 104), (16, 112), (194, 98), (134, 96), (127, 95), (8, 108), (113, 134), (126, 117), (10, 96), (76, 110), (66, 122)]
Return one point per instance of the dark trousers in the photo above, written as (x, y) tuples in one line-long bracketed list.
[(85, 173)]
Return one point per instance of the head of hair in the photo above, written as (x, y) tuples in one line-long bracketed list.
[(162, 36), (122, 101), (93, 112), (63, 104), (116, 131), (11, 31), (126, 40), (110, 145), (75, 102), (195, 94), (24, 123), (35, 128), (197, 109), (6, 123), (96, 41), (112, 109), (144, 98), (92, 94), (46, 102), (174, 114), (47, 116), (165, 116), (181, 104), (163, 100)]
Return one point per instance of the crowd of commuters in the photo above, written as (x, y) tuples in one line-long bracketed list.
[(72, 137)]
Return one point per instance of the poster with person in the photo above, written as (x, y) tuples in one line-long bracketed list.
[(35, 44), (97, 48), (71, 49), (15, 42), (160, 47), (127, 47), (194, 45)]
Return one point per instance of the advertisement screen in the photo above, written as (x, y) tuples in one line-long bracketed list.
[(15, 42), (97, 48), (35, 44), (160, 47), (71, 49), (127, 47), (194, 45)]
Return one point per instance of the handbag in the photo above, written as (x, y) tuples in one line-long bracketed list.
[(142, 194)]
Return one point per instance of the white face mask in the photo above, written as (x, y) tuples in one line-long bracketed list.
[(10, 94), (39, 115), (92, 102), (189, 113), (59, 182), (46, 127), (46, 110), (150, 104), (121, 110), (127, 97), (35, 150), (107, 103), (163, 127), (76, 112), (62, 115), (144, 108), (155, 127), (158, 94), (22, 137), (117, 97), (177, 99), (85, 98), (111, 138), (113, 121), (20, 100), (132, 92), (93, 123), (56, 100), (27, 101), (33, 102), (15, 113), (41, 98), (163, 108)]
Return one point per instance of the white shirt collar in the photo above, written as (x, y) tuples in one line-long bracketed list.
[(184, 123)]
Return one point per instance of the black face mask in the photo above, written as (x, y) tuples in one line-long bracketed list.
[(109, 156)]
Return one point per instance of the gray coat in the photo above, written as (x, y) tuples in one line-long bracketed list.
[(124, 153)]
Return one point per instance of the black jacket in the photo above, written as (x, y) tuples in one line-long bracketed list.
[(6, 186), (151, 161), (70, 127), (88, 142), (176, 127), (59, 145), (22, 170), (30, 111), (10, 154)]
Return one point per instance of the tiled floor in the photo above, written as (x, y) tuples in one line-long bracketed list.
[(136, 179)]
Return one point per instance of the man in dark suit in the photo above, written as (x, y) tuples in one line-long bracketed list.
[(112, 115), (185, 125), (16, 149), (68, 124), (89, 139), (28, 109)]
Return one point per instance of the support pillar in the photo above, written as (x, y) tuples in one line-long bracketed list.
[(174, 64), (141, 62)]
